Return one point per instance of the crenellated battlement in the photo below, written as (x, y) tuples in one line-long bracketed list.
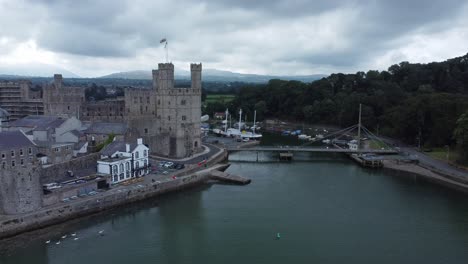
[(165, 66), (195, 67)]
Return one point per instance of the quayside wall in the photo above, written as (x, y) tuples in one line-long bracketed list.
[(14, 225)]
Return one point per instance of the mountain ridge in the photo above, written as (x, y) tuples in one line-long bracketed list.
[(214, 75)]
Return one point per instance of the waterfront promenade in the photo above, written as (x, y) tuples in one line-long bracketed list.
[(148, 186)]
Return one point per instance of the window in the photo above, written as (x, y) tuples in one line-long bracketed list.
[(145, 153), (195, 144), (146, 131), (12, 163), (22, 161), (68, 107), (146, 163), (141, 99), (115, 169), (182, 102), (137, 155), (170, 128), (121, 167), (21, 152), (57, 149), (184, 118), (3, 165), (67, 147), (3, 155), (137, 165), (159, 102), (12, 153), (127, 165), (30, 151), (146, 108), (115, 178), (135, 100), (169, 118), (147, 100)]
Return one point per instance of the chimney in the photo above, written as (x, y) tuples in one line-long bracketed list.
[(139, 141), (127, 148)]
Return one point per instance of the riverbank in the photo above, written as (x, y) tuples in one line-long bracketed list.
[(12, 225), (427, 174)]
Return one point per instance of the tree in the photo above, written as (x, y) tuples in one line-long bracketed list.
[(461, 135)]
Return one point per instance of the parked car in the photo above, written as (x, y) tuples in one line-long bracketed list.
[(179, 166), (169, 164)]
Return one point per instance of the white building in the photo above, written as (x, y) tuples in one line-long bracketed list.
[(123, 161)]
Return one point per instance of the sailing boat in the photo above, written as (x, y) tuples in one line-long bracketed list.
[(238, 132)]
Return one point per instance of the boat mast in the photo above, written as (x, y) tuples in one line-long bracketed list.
[(226, 125), (240, 119), (255, 119), (359, 129)]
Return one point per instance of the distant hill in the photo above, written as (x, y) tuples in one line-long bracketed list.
[(34, 70), (213, 75)]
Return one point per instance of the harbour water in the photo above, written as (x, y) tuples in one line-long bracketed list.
[(326, 210)]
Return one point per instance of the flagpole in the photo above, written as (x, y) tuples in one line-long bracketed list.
[(167, 52)]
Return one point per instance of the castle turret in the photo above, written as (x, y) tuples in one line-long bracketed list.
[(155, 79), (165, 76), (58, 79), (20, 188), (195, 70)]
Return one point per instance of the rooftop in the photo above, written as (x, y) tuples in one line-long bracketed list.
[(14, 139), (116, 146), (38, 122), (107, 128)]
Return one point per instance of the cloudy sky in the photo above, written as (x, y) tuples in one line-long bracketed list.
[(284, 37)]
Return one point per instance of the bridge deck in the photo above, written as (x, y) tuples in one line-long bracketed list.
[(314, 149)]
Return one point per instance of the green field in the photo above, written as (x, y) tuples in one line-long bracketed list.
[(375, 144), (441, 154), (222, 98)]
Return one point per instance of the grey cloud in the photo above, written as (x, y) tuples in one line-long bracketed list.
[(214, 30)]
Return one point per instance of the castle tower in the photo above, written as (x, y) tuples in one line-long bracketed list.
[(178, 113), (165, 76), (20, 188), (195, 71), (61, 100)]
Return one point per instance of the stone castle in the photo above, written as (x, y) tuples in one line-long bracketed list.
[(166, 117)]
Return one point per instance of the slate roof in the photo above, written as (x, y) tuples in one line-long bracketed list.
[(13, 140), (107, 128), (38, 122), (116, 146), (80, 144), (75, 133)]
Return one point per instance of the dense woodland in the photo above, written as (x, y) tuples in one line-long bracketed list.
[(417, 103)]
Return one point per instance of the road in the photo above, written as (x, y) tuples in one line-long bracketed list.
[(428, 161), (212, 149)]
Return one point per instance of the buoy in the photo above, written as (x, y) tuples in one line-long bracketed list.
[(74, 234), (75, 238), (47, 242), (278, 235), (58, 242), (65, 236)]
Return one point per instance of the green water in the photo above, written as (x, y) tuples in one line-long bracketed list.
[(325, 212)]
